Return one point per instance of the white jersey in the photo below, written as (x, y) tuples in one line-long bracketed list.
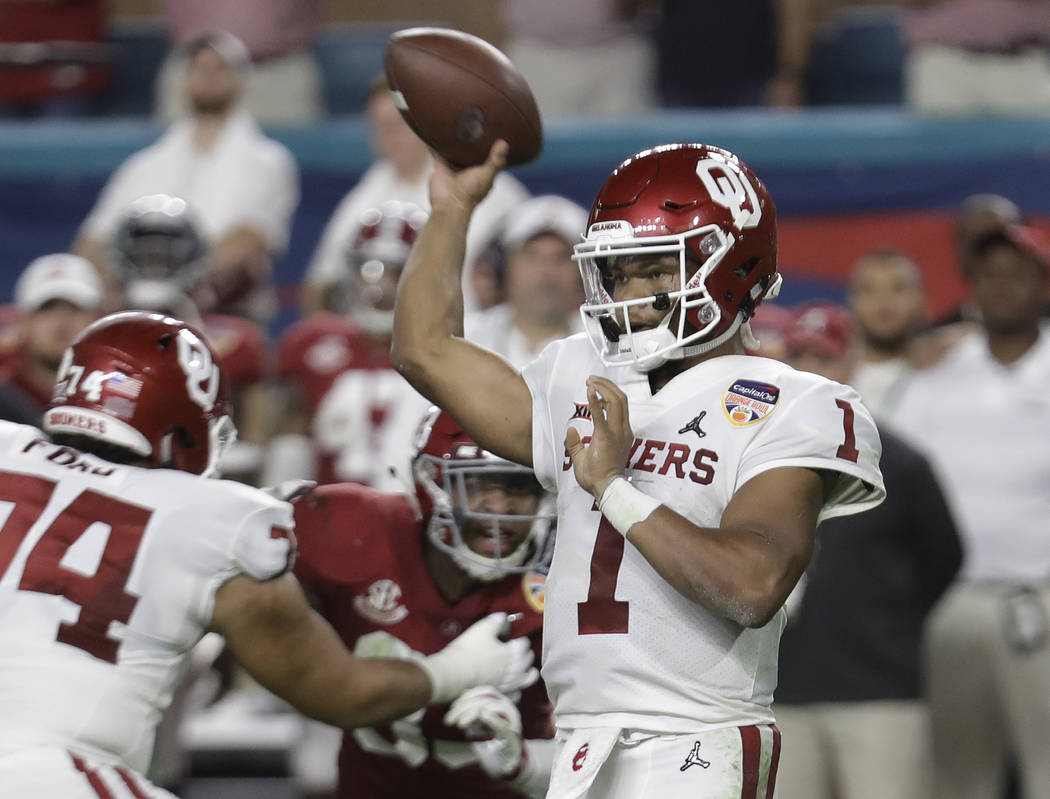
[(108, 577), (621, 646), (984, 427), (367, 422), (494, 329)]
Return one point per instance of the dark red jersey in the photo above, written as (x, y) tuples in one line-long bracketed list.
[(316, 350), (361, 556)]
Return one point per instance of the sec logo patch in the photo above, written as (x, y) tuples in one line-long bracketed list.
[(746, 402)]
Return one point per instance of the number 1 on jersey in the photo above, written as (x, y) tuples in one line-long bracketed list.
[(848, 450), (602, 612)]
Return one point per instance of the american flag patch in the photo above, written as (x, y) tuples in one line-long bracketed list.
[(124, 386)]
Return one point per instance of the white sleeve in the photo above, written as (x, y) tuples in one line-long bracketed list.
[(824, 426), (269, 194), (264, 546), (547, 447)]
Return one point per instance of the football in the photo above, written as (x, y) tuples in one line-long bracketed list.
[(459, 94)]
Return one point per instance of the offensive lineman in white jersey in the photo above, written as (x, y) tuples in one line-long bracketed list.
[(117, 555), (690, 477)]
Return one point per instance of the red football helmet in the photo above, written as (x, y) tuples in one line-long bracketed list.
[(374, 261), (148, 384), (476, 505), (708, 207)]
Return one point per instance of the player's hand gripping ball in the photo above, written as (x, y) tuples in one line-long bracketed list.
[(459, 94)]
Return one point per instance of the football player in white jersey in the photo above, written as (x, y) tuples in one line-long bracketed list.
[(690, 476), (117, 555)]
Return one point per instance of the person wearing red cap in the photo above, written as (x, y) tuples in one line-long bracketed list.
[(849, 698), (982, 416), (819, 339)]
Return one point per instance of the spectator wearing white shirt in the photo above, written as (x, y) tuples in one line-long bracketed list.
[(887, 302), (400, 172), (982, 416), (540, 281), (242, 186), (285, 84)]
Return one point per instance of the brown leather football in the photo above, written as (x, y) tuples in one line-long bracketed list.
[(459, 94)]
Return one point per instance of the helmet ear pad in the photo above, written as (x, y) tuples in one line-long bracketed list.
[(183, 450)]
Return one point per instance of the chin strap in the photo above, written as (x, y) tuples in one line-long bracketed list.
[(747, 335), (744, 325), (710, 344)]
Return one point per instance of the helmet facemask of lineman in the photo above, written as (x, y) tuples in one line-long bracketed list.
[(709, 222), (491, 516), (160, 257)]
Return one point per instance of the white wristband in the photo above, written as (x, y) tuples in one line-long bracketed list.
[(624, 505)]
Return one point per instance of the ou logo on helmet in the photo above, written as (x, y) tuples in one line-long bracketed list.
[(728, 186), (202, 374)]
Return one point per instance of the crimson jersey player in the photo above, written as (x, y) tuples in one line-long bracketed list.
[(398, 576), (357, 411)]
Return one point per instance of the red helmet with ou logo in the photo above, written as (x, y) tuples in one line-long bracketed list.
[(148, 384), (375, 260), (707, 207), (490, 515)]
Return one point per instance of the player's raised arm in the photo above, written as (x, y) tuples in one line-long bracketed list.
[(477, 387), (293, 652)]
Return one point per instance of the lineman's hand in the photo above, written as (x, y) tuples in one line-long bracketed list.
[(464, 189), (493, 722), (479, 656), (605, 457)]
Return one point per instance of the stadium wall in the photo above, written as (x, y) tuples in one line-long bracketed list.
[(844, 181)]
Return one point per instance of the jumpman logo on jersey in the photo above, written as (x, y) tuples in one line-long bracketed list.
[(693, 758), (695, 425)]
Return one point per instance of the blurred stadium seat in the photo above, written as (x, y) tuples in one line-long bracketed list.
[(350, 55), (858, 59), (140, 47)]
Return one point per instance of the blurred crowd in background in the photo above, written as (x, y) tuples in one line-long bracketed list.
[(916, 649), (314, 57)]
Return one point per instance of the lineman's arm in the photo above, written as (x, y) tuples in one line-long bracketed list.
[(292, 651), (743, 569), (477, 387)]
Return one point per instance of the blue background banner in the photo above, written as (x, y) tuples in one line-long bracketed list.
[(827, 170)]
